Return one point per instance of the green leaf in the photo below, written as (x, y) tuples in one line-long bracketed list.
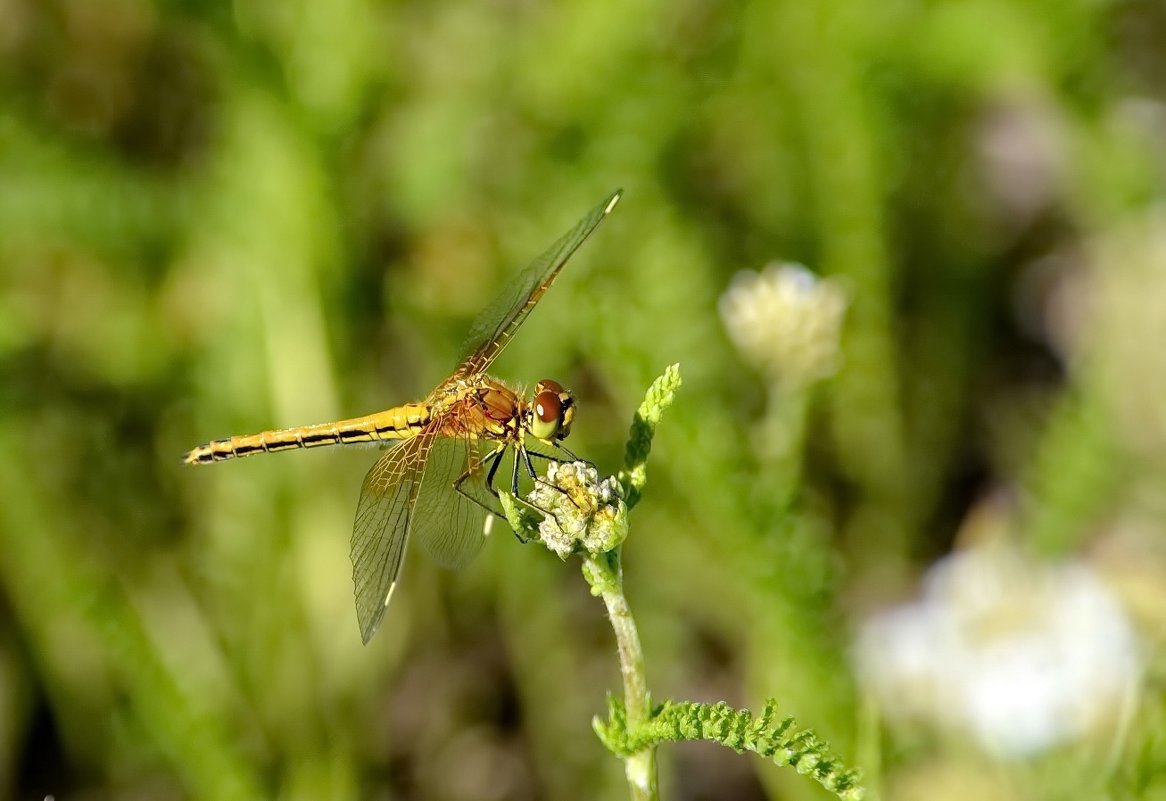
[(779, 740), (658, 398)]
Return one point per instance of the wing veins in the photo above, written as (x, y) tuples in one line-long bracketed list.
[(494, 327), (382, 527)]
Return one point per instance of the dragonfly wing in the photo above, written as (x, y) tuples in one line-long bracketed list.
[(450, 525), (497, 323), (384, 516)]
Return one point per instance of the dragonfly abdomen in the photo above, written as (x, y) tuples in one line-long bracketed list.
[(401, 422)]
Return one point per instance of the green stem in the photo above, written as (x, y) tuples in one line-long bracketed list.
[(604, 572)]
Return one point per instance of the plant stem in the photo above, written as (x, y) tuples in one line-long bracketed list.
[(604, 572)]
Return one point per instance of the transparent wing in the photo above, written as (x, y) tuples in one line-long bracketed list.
[(451, 526), (384, 516), (498, 321)]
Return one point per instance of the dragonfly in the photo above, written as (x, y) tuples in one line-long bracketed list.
[(435, 481)]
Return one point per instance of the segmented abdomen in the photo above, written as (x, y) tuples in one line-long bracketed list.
[(400, 422)]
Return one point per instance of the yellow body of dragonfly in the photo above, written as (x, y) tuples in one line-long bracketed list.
[(429, 484)]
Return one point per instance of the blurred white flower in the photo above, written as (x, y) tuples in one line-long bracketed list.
[(785, 321), (1023, 656)]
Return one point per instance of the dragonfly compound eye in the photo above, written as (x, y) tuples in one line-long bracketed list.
[(548, 414), (554, 411)]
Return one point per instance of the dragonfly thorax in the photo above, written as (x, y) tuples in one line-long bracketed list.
[(552, 410)]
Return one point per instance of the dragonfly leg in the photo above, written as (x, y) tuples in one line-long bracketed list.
[(496, 456), (526, 454), (514, 488), (559, 490), (529, 464), (514, 475), (571, 457), (495, 459)]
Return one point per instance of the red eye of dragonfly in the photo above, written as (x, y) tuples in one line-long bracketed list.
[(548, 413)]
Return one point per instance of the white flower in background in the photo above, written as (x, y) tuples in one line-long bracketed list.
[(785, 321), (1021, 655)]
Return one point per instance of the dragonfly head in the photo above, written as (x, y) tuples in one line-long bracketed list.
[(552, 411)]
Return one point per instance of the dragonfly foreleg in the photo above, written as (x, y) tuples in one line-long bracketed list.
[(526, 454), (496, 456), (571, 457)]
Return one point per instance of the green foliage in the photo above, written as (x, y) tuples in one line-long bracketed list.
[(659, 397), (779, 740), (635, 737)]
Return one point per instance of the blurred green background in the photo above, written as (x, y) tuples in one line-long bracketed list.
[(218, 218)]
